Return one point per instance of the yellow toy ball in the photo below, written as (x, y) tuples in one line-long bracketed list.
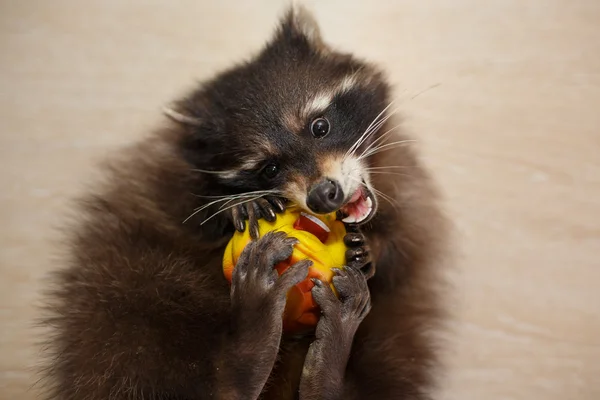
[(321, 239)]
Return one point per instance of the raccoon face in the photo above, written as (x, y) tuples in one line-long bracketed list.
[(297, 120)]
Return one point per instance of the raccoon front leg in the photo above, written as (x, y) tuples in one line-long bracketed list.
[(266, 207), (358, 255), (323, 375), (258, 296)]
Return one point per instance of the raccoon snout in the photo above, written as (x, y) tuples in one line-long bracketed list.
[(325, 197)]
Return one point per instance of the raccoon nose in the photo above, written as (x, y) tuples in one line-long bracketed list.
[(325, 197)]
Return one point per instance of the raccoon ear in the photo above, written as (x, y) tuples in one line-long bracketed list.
[(298, 28)]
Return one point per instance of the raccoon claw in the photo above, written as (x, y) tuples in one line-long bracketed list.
[(362, 263), (252, 211), (253, 217), (368, 270), (237, 218), (358, 255), (277, 203), (266, 209), (354, 239)]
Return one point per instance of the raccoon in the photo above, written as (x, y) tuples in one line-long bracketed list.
[(141, 310)]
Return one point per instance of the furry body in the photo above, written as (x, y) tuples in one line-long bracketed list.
[(142, 309)]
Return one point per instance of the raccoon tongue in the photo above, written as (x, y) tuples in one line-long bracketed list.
[(357, 195)]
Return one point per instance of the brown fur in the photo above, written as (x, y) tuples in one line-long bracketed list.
[(137, 309)]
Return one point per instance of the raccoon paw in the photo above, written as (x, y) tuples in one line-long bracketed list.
[(252, 211), (358, 255), (255, 280), (343, 313), (327, 357)]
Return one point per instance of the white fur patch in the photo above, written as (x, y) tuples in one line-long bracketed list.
[(229, 174), (250, 164), (318, 104), (348, 83), (349, 172), (322, 100), (247, 165)]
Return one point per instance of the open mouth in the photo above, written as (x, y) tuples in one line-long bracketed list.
[(360, 208)]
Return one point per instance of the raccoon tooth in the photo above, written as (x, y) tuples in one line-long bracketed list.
[(349, 219), (365, 215)]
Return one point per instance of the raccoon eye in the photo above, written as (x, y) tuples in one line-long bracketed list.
[(271, 171), (319, 127)]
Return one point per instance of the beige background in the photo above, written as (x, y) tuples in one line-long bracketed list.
[(511, 127)]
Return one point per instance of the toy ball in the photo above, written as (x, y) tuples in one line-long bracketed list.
[(321, 239)]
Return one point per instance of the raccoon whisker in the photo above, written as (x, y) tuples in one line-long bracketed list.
[(392, 202), (230, 198), (381, 138), (380, 115), (385, 117), (376, 128), (227, 196), (207, 171), (389, 173), (390, 167), (385, 147), (425, 90), (227, 202), (181, 118), (367, 131), (251, 194), (384, 196), (199, 209), (357, 180), (211, 197), (398, 142), (228, 208)]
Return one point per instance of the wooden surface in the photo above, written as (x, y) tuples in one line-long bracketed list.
[(510, 125)]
